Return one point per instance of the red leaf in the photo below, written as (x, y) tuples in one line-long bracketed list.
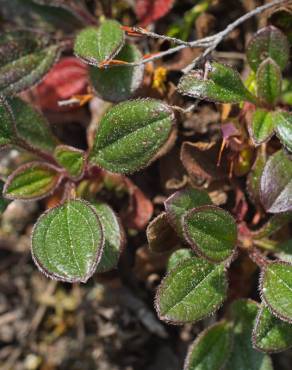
[(149, 11), (67, 78)]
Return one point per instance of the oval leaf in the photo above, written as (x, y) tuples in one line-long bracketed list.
[(131, 135), (211, 232), (181, 202), (276, 289), (269, 42), (222, 84), (190, 292), (283, 123), (98, 44), (33, 180), (276, 183), (269, 81), (67, 242), (271, 334), (160, 235), (31, 126), (274, 224), (26, 69), (211, 349), (7, 132), (178, 256), (254, 177), (118, 83), (243, 355), (72, 159), (261, 126), (114, 237)]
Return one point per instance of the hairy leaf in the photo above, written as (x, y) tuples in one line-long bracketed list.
[(25, 59), (118, 83), (7, 131), (271, 334), (276, 183), (192, 291), (67, 242), (181, 202), (275, 223), (72, 159), (276, 289), (131, 135), (269, 81), (222, 84), (160, 235), (283, 123), (261, 126), (33, 180), (114, 237), (211, 348), (98, 44), (149, 11), (31, 126), (211, 232), (178, 256), (269, 42), (14, 45), (254, 177), (243, 356)]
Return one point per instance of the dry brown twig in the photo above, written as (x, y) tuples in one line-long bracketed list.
[(208, 43)]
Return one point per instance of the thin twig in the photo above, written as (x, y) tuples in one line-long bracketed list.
[(208, 43), (221, 35)]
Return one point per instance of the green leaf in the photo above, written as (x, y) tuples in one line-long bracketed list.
[(182, 201), (271, 334), (192, 291), (76, 7), (160, 235), (114, 237), (67, 242), (131, 135), (98, 44), (31, 126), (254, 177), (35, 180), (283, 123), (3, 202), (269, 42), (284, 251), (222, 84), (118, 83), (276, 183), (243, 356), (261, 126), (274, 224), (211, 232), (269, 81), (276, 289), (24, 42), (27, 62), (211, 349), (7, 132), (72, 159), (178, 256)]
